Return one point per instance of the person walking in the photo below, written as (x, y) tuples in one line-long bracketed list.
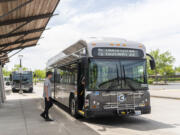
[(47, 96)]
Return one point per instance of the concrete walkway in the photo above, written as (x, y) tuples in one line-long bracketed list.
[(170, 91), (20, 116), (170, 94)]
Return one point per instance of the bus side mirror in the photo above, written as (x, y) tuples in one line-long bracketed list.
[(152, 62)]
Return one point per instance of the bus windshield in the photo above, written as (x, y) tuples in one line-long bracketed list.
[(25, 78), (117, 74)]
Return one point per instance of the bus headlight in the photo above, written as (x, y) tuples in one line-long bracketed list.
[(142, 104)]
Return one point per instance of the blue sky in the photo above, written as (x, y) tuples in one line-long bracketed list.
[(155, 23)]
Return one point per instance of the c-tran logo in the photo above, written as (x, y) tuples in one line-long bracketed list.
[(121, 97)]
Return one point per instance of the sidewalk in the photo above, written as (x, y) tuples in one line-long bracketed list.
[(20, 115), (169, 91), (170, 94)]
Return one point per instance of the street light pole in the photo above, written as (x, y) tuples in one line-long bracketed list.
[(20, 72)]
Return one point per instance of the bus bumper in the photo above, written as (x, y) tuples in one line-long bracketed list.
[(112, 112), (23, 88)]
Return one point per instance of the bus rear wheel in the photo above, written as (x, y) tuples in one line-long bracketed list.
[(73, 108)]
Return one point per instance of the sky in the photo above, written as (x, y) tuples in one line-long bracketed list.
[(155, 23)]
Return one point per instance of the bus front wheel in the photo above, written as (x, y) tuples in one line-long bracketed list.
[(30, 90), (73, 108), (14, 90)]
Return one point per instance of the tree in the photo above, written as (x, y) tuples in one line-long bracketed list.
[(16, 68), (40, 73), (164, 63), (177, 69), (6, 72)]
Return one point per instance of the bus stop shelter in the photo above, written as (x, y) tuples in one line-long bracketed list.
[(22, 23)]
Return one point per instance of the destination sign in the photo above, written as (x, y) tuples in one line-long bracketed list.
[(117, 52)]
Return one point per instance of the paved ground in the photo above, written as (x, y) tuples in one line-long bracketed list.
[(171, 94), (20, 115), (164, 120), (170, 86), (171, 91)]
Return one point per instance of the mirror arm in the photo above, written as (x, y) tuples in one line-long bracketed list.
[(152, 58)]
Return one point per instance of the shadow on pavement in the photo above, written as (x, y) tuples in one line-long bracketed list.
[(63, 107), (133, 122), (138, 123)]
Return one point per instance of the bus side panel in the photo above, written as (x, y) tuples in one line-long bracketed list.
[(60, 88), (69, 89), (58, 92), (65, 84)]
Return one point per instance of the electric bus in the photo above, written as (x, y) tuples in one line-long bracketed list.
[(23, 81), (102, 76)]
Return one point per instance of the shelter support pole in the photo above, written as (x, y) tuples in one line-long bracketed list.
[(2, 90)]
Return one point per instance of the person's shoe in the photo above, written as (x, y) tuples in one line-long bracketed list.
[(43, 115), (48, 119)]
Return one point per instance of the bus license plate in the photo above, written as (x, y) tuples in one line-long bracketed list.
[(137, 112)]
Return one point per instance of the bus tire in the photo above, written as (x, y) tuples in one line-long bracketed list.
[(30, 90), (73, 108)]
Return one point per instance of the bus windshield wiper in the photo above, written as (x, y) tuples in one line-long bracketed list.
[(117, 73), (124, 75)]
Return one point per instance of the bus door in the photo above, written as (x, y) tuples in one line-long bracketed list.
[(81, 84)]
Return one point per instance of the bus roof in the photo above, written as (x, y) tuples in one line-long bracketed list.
[(69, 53)]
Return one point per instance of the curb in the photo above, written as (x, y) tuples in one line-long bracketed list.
[(175, 98), (67, 115)]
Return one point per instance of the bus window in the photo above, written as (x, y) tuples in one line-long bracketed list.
[(103, 74), (134, 74)]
